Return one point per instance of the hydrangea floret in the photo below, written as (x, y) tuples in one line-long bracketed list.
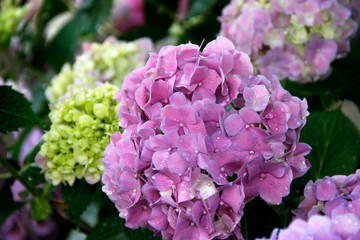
[(341, 227), (81, 125), (127, 14), (10, 16), (109, 61), (331, 196), (202, 136), (295, 39)]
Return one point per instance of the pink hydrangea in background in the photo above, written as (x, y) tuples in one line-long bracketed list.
[(20, 226), (295, 39), (341, 227), (202, 136), (330, 210), (331, 196), (127, 14)]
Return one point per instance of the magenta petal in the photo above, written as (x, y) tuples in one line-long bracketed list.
[(233, 196), (176, 163), (273, 189), (218, 45), (158, 219), (233, 124), (159, 159), (326, 190), (162, 182), (138, 215)]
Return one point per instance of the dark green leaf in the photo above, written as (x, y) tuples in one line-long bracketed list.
[(30, 157), (33, 175), (259, 219), (198, 7), (140, 233), (40, 208), (23, 194), (7, 202), (86, 21), (15, 111), (111, 228), (335, 142), (78, 197)]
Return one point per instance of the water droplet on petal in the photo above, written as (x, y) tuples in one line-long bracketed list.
[(262, 176)]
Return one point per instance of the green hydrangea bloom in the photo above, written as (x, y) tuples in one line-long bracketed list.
[(82, 123), (110, 62), (10, 16)]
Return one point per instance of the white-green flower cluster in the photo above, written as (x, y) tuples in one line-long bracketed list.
[(110, 62), (82, 123), (10, 16)]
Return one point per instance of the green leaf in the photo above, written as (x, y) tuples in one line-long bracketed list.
[(78, 197), (198, 7), (86, 21), (7, 202), (140, 233), (15, 111), (111, 228), (32, 174), (30, 157), (40, 208), (259, 219), (335, 142)]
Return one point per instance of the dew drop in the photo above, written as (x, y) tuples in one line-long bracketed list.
[(222, 169), (251, 152), (169, 149), (222, 203), (247, 126), (196, 151), (262, 176), (181, 125)]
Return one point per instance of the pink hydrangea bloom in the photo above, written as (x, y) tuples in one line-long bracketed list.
[(341, 227), (127, 14), (331, 196), (20, 226), (295, 39), (202, 136)]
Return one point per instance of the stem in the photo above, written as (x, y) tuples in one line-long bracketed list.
[(163, 8), (5, 175), (16, 175)]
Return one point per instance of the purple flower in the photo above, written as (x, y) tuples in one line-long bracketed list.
[(320, 53), (341, 227), (279, 35), (331, 196), (196, 136)]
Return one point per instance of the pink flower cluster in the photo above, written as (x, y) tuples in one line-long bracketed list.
[(331, 196), (341, 227), (295, 39), (202, 136), (330, 210), (127, 14)]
